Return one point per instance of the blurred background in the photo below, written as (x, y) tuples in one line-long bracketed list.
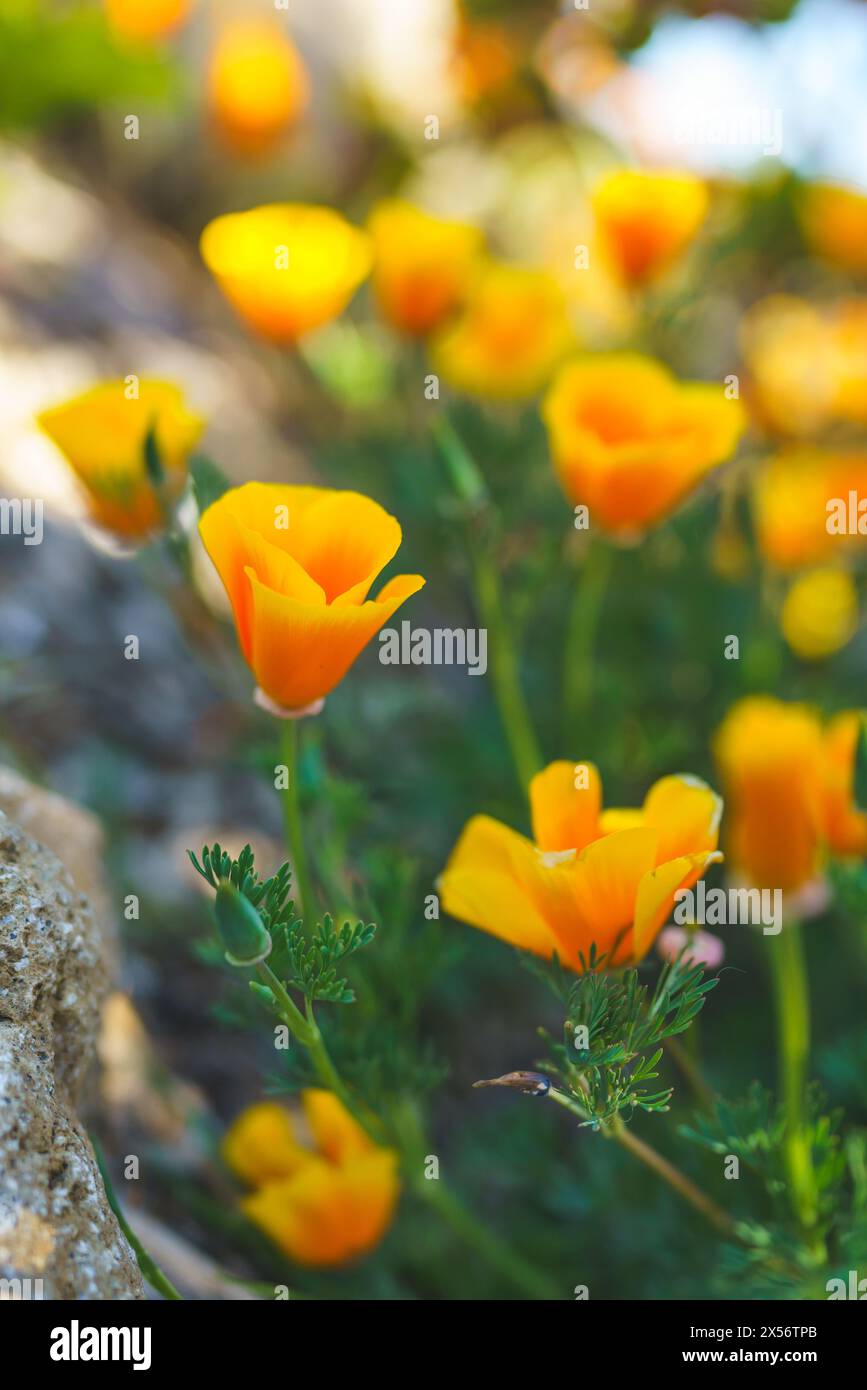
[(504, 115)]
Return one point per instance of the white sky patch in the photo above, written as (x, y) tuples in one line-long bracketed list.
[(717, 95)]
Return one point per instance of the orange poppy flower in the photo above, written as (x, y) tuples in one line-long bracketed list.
[(422, 266), (146, 19), (513, 332), (835, 223), (629, 441), (298, 564), (322, 1206), (257, 85), (286, 268), (102, 435), (845, 825), (588, 876), (793, 504), (771, 758), (647, 219)]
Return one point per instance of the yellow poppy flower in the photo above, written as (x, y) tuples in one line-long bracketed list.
[(807, 363), (647, 219), (297, 564), (422, 267), (820, 613), (588, 876), (771, 758), (629, 441), (845, 825), (322, 1206), (257, 85), (513, 332), (286, 268), (102, 435), (793, 497), (835, 224), (146, 19)]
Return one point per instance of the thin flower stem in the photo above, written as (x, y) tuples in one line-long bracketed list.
[(680, 1183), (792, 1001), (289, 740), (522, 1275), (583, 625), (469, 486), (306, 1032), (147, 1264)]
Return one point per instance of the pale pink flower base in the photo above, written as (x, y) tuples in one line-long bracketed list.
[(280, 712), (704, 948)]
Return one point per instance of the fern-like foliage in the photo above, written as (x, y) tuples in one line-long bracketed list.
[(613, 1033), (304, 961)]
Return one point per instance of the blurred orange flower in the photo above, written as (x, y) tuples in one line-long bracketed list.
[(422, 265), (146, 19), (647, 219), (845, 825), (791, 494), (588, 876), (322, 1206), (629, 441), (102, 434), (257, 85), (513, 332), (820, 613), (286, 268), (835, 224), (298, 563)]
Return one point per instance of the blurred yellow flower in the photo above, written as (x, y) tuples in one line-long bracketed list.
[(792, 493), (845, 825), (588, 876), (322, 1206), (771, 759), (807, 363), (835, 224), (102, 434), (257, 85), (647, 219), (422, 267), (820, 613), (629, 441), (298, 563), (146, 19), (848, 348), (514, 331), (286, 268)]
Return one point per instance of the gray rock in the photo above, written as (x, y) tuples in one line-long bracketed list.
[(55, 1221)]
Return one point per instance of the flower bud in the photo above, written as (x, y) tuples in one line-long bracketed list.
[(240, 927)]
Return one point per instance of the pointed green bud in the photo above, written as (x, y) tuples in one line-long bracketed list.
[(240, 927)]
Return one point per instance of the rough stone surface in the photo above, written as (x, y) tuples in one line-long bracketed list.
[(55, 1221), (69, 831)]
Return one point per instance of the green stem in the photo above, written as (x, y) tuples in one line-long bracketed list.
[(306, 1032), (289, 739), (583, 625), (146, 1263), (793, 1040), (522, 1275), (653, 1160), (470, 488)]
